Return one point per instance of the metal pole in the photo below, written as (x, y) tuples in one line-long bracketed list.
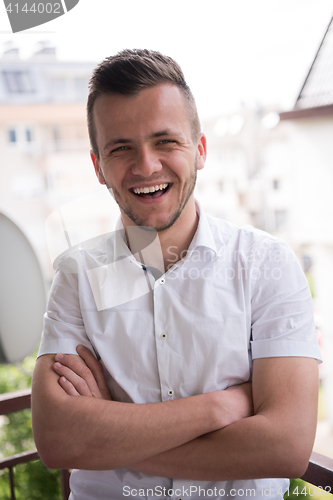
[(11, 482), (65, 475)]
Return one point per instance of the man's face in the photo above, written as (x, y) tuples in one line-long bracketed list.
[(147, 155)]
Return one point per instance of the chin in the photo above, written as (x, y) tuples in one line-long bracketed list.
[(155, 223)]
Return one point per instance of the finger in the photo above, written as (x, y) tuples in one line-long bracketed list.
[(75, 379), (68, 387), (79, 374), (95, 366)]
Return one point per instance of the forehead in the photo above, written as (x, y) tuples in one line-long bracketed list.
[(151, 110)]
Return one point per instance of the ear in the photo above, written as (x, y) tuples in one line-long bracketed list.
[(97, 167), (202, 151)]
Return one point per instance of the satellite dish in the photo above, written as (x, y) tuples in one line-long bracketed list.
[(22, 294)]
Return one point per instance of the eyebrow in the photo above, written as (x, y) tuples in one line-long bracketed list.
[(123, 140)]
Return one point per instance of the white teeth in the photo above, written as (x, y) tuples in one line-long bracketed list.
[(151, 189)]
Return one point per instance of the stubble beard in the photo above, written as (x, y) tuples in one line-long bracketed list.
[(140, 221)]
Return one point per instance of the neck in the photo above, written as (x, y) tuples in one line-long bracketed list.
[(176, 240), (171, 244)]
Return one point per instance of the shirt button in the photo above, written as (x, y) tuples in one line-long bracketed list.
[(164, 335), (162, 281), (170, 392)]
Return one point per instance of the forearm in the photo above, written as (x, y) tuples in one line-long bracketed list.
[(89, 433), (96, 434), (248, 449)]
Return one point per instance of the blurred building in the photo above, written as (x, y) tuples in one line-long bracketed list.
[(245, 179), (275, 171), (43, 138), (310, 128)]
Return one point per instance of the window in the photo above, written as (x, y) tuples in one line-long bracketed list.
[(17, 82), (12, 135), (21, 136), (28, 135)]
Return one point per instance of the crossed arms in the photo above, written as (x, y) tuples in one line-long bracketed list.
[(213, 436)]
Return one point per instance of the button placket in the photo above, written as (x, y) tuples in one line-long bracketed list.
[(165, 341)]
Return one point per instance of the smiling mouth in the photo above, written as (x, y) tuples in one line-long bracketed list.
[(152, 191)]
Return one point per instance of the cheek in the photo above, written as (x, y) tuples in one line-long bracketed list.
[(180, 164), (113, 174)]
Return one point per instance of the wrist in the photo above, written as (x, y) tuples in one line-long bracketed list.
[(215, 415)]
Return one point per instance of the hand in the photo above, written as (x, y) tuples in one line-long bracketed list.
[(233, 404), (239, 404), (81, 375)]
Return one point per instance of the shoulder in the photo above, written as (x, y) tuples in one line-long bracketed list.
[(245, 240)]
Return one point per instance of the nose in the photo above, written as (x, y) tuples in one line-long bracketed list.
[(146, 163)]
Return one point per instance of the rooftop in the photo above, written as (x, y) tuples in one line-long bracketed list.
[(317, 89)]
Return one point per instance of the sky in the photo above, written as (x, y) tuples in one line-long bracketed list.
[(232, 52)]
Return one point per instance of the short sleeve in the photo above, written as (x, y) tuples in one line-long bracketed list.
[(63, 324), (282, 308)]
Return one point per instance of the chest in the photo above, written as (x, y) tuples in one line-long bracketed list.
[(186, 335)]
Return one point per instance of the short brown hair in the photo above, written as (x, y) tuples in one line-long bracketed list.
[(129, 72)]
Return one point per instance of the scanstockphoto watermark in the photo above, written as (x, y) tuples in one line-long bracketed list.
[(277, 254), (26, 14), (225, 274), (160, 491)]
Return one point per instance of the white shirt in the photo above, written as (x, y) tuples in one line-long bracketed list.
[(239, 294)]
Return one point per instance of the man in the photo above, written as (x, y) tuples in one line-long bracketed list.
[(169, 411)]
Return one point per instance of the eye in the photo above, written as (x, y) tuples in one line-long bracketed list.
[(166, 141), (121, 148)]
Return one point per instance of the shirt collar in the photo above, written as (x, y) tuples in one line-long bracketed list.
[(120, 247), (203, 236)]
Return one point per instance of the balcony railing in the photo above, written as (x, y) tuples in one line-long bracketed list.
[(319, 472), (17, 401)]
